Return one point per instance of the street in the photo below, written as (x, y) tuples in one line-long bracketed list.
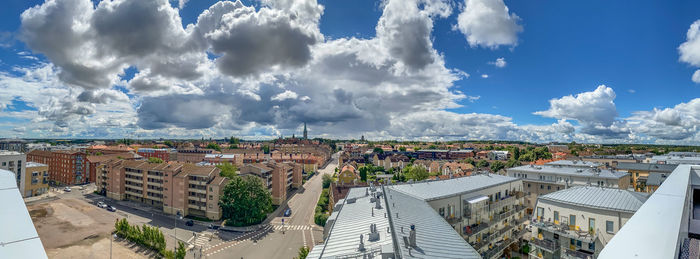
[(282, 240)]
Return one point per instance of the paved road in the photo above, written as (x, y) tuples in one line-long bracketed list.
[(278, 240)]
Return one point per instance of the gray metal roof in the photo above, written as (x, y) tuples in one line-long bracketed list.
[(352, 220), (432, 190), (676, 159), (570, 171), (19, 238), (435, 238), (575, 163), (646, 167), (599, 198), (656, 179)]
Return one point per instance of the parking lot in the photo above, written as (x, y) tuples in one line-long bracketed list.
[(72, 225), (73, 228)]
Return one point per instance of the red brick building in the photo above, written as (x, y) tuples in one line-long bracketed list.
[(162, 153), (68, 167), (40, 156)]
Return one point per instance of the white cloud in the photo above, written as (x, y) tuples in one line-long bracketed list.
[(484, 76), (690, 49), (500, 62), (631, 91), (284, 96), (487, 23)]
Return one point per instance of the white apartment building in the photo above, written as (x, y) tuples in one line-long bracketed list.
[(544, 179), (17, 163), (498, 155), (575, 163), (578, 222), (479, 215)]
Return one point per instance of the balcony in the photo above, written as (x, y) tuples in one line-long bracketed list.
[(475, 229), (197, 190), (573, 254), (133, 194), (548, 245), (566, 231), (453, 220)]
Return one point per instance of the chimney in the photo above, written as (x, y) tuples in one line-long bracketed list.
[(412, 236)]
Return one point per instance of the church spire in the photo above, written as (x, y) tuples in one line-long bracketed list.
[(306, 136)]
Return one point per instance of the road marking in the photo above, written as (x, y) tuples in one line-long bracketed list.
[(313, 242), (303, 236)]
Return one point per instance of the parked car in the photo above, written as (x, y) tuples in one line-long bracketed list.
[(67, 189), (287, 212), (101, 204), (212, 226), (189, 222), (110, 208)]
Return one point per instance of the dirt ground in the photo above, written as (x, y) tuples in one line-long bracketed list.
[(71, 228)]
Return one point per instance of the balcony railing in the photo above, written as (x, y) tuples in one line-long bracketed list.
[(548, 245), (566, 231), (572, 254)]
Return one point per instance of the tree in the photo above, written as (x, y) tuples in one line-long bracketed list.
[(327, 180), (155, 160), (516, 153), (378, 150), (303, 252), (402, 149), (245, 201), (168, 143), (227, 169), (432, 147), (214, 146), (470, 161), (497, 166), (266, 149), (417, 173), (482, 163), (180, 251), (234, 141), (512, 163), (363, 173)]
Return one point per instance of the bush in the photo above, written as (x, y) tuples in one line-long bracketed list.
[(320, 219), (205, 219), (150, 237), (321, 212), (327, 179)]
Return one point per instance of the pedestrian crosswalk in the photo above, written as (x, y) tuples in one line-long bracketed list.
[(201, 240), (292, 227)]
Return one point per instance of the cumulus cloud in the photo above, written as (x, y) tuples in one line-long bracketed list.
[(677, 123), (484, 76), (500, 62), (690, 49), (596, 107), (488, 23)]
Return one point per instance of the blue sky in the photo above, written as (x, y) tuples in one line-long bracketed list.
[(564, 48)]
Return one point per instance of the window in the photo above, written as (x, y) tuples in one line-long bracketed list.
[(609, 226), (528, 185), (541, 186), (549, 187), (591, 224), (540, 212), (556, 215), (572, 220), (591, 246), (442, 212)]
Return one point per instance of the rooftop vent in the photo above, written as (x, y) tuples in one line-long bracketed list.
[(351, 200), (412, 236), (373, 233)]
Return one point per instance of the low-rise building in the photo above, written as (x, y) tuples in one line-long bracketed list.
[(544, 179), (348, 175), (15, 162), (579, 221), (161, 153), (68, 167), (677, 158), (498, 155), (575, 163), (36, 180), (640, 173), (278, 178)]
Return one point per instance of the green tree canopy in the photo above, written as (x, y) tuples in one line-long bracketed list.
[(234, 141), (327, 180), (402, 149), (512, 163), (155, 160), (417, 173), (214, 146), (378, 150), (497, 166), (245, 201), (168, 143), (482, 163), (227, 169)]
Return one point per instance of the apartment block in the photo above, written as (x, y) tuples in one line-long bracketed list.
[(174, 187), (477, 216), (278, 178), (15, 162), (579, 221), (36, 179), (68, 167), (161, 153), (641, 173), (543, 179)]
